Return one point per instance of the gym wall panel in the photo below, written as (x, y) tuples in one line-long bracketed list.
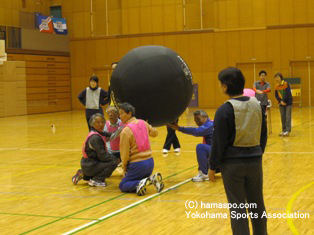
[(245, 13), (87, 24), (287, 48), (158, 40), (259, 13), (193, 13), (232, 14), (170, 41), (78, 23), (112, 48), (179, 17), (207, 90), (134, 20), (300, 11), (99, 22), (195, 47), (90, 58), (311, 42), (273, 47), (101, 53), (310, 11), (169, 18), (134, 42), (114, 22), (133, 3), (156, 2), (157, 19), (78, 5), (145, 41), (145, 19), (123, 47), (208, 58), (183, 42), (233, 46), (260, 45), (300, 43), (221, 15), (208, 14), (286, 11), (221, 52), (246, 46)]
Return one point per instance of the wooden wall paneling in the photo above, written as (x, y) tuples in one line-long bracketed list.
[(2, 19), (259, 13), (183, 42), (87, 24), (146, 41), (198, 78), (158, 40), (78, 5), (287, 48), (15, 18), (78, 23), (221, 14), (195, 58), (274, 48), (208, 14), (90, 56), (114, 19), (79, 60), (101, 53), (134, 20), (260, 45), (192, 14), (157, 19), (145, 3), (8, 17), (286, 11), (310, 11), (145, 19), (246, 13), (301, 48), (312, 83), (179, 16), (170, 41), (156, 2), (300, 11), (99, 17), (134, 42), (248, 73), (234, 49), (123, 47), (124, 18), (300, 69), (246, 45), (232, 14), (208, 90), (67, 6), (221, 62), (208, 52), (112, 48), (133, 3), (77, 85), (169, 18), (311, 42)]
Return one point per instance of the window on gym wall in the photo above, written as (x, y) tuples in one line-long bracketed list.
[(2, 33), (14, 37)]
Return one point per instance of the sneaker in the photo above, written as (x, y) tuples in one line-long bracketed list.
[(156, 180), (165, 151), (94, 183), (77, 177), (200, 177), (286, 133), (141, 187), (120, 164), (177, 150)]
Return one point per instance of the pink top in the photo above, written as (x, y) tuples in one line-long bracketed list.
[(248, 92), (89, 135), (140, 133), (114, 144)]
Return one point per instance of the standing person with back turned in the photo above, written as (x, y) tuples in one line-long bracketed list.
[(239, 141), (284, 97), (136, 154), (92, 98)]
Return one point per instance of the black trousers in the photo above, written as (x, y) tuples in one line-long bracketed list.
[(243, 183), (171, 138), (97, 170), (90, 112)]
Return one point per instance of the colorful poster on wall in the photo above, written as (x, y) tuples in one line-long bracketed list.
[(59, 25), (45, 24)]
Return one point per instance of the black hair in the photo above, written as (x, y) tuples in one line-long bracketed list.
[(234, 80), (262, 72), (126, 107), (94, 78), (279, 75)]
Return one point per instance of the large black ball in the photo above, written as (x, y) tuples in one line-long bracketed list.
[(156, 81)]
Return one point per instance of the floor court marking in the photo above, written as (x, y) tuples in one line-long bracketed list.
[(101, 203), (289, 207), (73, 231), (44, 216)]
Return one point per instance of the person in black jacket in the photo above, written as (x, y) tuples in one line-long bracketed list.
[(97, 164), (92, 98), (239, 141)]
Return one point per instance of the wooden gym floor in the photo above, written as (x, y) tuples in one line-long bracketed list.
[(38, 197)]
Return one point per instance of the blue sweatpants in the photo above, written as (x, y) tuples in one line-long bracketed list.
[(203, 153), (136, 171)]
